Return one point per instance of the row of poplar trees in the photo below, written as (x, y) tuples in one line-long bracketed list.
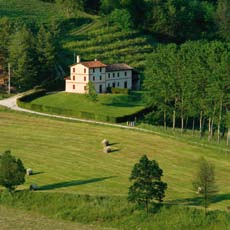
[(189, 86)]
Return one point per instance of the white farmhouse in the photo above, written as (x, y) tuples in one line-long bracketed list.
[(101, 75)]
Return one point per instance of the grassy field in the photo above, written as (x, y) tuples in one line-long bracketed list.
[(68, 157), (17, 219), (30, 11), (107, 105)]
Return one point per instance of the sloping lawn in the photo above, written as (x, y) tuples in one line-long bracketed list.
[(68, 157), (107, 104)]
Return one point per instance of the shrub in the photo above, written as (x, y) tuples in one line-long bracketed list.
[(12, 171), (120, 91)]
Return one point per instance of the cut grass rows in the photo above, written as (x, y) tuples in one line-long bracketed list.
[(68, 157)]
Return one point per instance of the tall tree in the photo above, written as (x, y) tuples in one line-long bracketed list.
[(22, 55), (223, 18), (12, 171), (147, 185), (47, 54), (204, 181)]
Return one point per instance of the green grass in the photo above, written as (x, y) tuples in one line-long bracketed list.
[(11, 218), (30, 10), (107, 105), (68, 157), (112, 212)]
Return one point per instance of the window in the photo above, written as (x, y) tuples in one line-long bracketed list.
[(114, 84), (73, 70), (100, 78), (85, 88), (84, 78), (109, 85), (73, 86), (125, 73), (108, 75), (85, 70), (93, 70), (118, 84), (93, 78), (73, 78), (100, 69), (118, 74), (113, 74)]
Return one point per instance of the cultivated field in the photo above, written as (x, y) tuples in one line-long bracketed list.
[(68, 157)]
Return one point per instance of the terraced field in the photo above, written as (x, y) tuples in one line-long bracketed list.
[(109, 44)]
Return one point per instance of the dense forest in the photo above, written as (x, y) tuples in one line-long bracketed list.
[(185, 79)]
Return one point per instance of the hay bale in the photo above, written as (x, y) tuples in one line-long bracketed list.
[(107, 149), (105, 142), (29, 172), (199, 190), (33, 187)]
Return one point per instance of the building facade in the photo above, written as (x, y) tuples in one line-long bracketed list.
[(101, 75)]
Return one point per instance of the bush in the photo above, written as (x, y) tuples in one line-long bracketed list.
[(12, 171), (120, 91)]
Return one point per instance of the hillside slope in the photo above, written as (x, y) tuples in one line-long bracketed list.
[(86, 35)]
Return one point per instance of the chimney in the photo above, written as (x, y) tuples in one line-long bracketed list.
[(78, 59)]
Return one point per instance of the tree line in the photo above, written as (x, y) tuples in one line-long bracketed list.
[(189, 86), (33, 54), (167, 20)]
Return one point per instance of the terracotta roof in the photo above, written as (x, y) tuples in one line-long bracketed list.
[(91, 64), (117, 67)]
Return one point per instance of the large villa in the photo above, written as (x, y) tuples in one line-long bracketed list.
[(101, 75)]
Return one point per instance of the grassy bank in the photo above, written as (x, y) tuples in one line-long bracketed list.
[(108, 107), (114, 212), (11, 218)]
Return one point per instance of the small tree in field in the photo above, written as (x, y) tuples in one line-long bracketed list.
[(92, 93), (12, 171), (204, 182), (147, 184)]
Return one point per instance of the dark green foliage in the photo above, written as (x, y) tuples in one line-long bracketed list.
[(107, 6), (12, 171), (223, 19), (189, 84), (22, 56), (147, 184), (121, 18), (70, 6), (204, 182), (47, 48)]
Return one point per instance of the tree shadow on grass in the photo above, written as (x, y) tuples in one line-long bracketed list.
[(73, 183), (37, 173), (197, 201)]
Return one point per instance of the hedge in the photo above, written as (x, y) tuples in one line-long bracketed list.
[(26, 102)]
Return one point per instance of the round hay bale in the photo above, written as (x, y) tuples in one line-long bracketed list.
[(33, 187), (107, 149), (105, 142), (29, 172)]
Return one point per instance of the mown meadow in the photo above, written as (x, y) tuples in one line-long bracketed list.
[(79, 182)]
